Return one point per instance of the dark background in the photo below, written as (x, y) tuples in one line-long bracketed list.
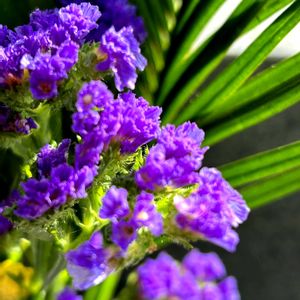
[(267, 261)]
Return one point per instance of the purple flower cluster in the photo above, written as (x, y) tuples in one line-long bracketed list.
[(122, 56), (101, 120), (212, 210), (197, 278), (124, 223), (117, 13), (12, 122), (47, 47), (175, 160), (58, 182), (88, 264)]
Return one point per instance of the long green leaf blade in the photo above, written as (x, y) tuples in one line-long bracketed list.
[(262, 165), (104, 291), (239, 71), (204, 13), (247, 15), (272, 189), (266, 108), (270, 79)]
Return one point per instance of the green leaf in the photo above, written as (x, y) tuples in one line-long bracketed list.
[(239, 71), (105, 290), (262, 165), (186, 13), (210, 54), (195, 65), (264, 108), (201, 15), (271, 189), (270, 79)]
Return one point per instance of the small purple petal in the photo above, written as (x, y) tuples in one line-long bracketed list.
[(114, 204)]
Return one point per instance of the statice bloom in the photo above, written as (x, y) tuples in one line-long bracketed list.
[(124, 223), (174, 160), (36, 200), (5, 225), (92, 100), (79, 20), (47, 70), (88, 263), (11, 121), (50, 157), (102, 120), (68, 294), (117, 13), (212, 210), (58, 183), (47, 47), (124, 233), (122, 56), (145, 214), (140, 122), (204, 266), (164, 278), (114, 204)]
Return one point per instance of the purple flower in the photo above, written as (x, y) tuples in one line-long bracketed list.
[(140, 123), (68, 294), (204, 266), (124, 233), (146, 214), (117, 13), (50, 157), (68, 54), (79, 20), (36, 200), (123, 56), (88, 152), (175, 160), (114, 204), (42, 20), (212, 210), (88, 264), (93, 96), (61, 184), (162, 278), (82, 179), (101, 120), (46, 71), (229, 289), (47, 47), (5, 225)]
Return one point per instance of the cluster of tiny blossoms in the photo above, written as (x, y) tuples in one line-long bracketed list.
[(42, 53), (197, 278), (140, 184)]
